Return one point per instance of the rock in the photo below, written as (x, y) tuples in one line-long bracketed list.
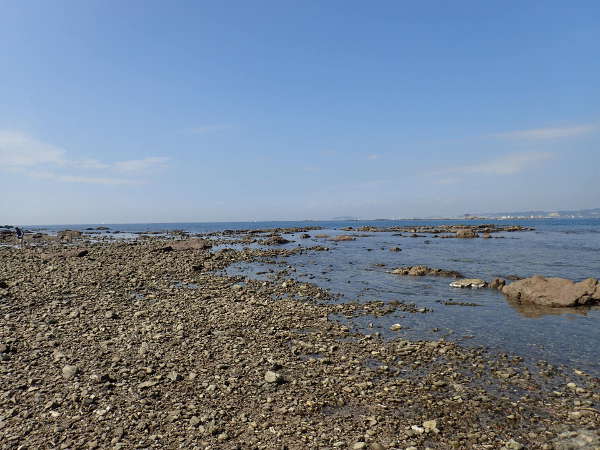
[(419, 271), (273, 377), (359, 445), (147, 384), (430, 426), (395, 249), (174, 376), (581, 439), (191, 244), (396, 327), (69, 372), (376, 446), (513, 445), (110, 314), (486, 236), (473, 283), (276, 240), (497, 283), (305, 236), (466, 234), (194, 421), (554, 292), (76, 253), (343, 237), (68, 235)]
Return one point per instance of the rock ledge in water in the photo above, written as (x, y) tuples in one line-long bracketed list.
[(421, 271), (554, 292)]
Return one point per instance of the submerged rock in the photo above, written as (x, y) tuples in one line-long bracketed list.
[(554, 292), (343, 237)]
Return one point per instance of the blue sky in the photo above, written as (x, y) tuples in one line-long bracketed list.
[(148, 111)]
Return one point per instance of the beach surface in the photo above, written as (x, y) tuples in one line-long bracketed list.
[(150, 343)]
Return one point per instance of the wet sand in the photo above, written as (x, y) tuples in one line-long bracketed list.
[(144, 345)]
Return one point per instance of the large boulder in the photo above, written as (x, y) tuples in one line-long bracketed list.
[(554, 292)]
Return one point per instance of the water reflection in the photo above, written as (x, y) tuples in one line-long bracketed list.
[(532, 311)]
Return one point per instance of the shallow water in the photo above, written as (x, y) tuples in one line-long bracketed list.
[(564, 248)]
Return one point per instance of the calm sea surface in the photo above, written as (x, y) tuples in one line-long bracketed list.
[(557, 247)]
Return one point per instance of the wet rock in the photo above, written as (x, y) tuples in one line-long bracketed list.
[(466, 234), (68, 235), (395, 249), (554, 292), (276, 240), (497, 283), (343, 237), (396, 327), (473, 283), (420, 271)]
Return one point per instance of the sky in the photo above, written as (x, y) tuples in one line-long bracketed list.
[(182, 111)]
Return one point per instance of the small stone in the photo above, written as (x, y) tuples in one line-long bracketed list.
[(194, 421), (69, 371), (174, 376), (513, 445), (396, 327), (359, 445), (376, 446), (273, 377), (110, 315), (430, 426)]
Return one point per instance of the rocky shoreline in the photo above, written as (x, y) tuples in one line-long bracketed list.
[(130, 345)]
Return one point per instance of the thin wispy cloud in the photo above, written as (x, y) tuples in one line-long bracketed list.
[(30, 156), (508, 164), (141, 165), (19, 150), (373, 156), (49, 175), (204, 129), (547, 133)]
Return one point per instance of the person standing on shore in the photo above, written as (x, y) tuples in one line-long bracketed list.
[(20, 236)]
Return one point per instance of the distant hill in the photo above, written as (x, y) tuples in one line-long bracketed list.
[(558, 214)]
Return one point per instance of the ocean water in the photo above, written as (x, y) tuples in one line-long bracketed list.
[(352, 269)]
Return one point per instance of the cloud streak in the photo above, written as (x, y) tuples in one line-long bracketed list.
[(538, 134), (30, 156), (509, 164)]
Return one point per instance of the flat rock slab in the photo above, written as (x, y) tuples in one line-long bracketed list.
[(473, 283)]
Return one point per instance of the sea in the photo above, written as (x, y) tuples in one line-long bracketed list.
[(359, 271)]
